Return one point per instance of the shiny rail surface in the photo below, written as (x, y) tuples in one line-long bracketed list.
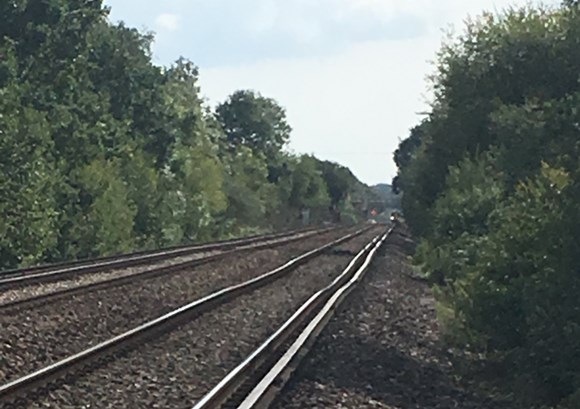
[(88, 261), (270, 242), (42, 274), (256, 381), (10, 391)]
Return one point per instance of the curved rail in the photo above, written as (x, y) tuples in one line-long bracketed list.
[(14, 389), (38, 275), (248, 386)]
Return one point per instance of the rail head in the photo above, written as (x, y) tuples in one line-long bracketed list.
[(273, 382), (324, 301), (106, 264), (116, 282), (13, 389), (88, 261)]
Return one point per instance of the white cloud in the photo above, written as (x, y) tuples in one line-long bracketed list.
[(304, 30), (264, 17), (167, 21), (384, 9), (348, 98), (291, 18), (350, 108)]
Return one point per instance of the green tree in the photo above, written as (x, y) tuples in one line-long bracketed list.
[(491, 190), (254, 121), (103, 152), (196, 191), (28, 230), (106, 225), (470, 89), (248, 190), (339, 181), (144, 190), (309, 189), (520, 296)]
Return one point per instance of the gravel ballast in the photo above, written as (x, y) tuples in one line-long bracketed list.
[(178, 368), (36, 289), (31, 339), (382, 348)]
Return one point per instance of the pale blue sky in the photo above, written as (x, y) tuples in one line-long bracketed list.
[(351, 73)]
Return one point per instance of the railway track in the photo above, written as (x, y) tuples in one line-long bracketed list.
[(41, 333), (190, 328), (60, 271), (258, 379), (32, 290)]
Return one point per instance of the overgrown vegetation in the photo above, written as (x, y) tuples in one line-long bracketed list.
[(491, 182), (103, 152)]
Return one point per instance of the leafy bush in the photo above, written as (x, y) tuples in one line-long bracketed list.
[(102, 152), (491, 187)]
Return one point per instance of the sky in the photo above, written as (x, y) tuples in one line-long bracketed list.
[(351, 74)]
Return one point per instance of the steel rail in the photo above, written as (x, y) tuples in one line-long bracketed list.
[(13, 389), (116, 282), (16, 272), (117, 263), (323, 303)]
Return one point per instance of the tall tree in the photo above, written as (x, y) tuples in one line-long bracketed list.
[(254, 121), (102, 151), (492, 191)]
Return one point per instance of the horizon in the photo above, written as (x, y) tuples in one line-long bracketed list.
[(351, 74)]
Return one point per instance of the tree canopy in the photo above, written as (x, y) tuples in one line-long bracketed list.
[(490, 186), (102, 152), (251, 120)]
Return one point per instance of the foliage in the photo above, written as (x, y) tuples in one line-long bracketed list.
[(490, 183), (473, 189), (471, 92), (247, 190), (524, 281), (107, 224), (27, 182), (251, 120), (308, 186), (104, 152)]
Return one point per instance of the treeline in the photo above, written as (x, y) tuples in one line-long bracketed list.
[(491, 182), (103, 152)]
